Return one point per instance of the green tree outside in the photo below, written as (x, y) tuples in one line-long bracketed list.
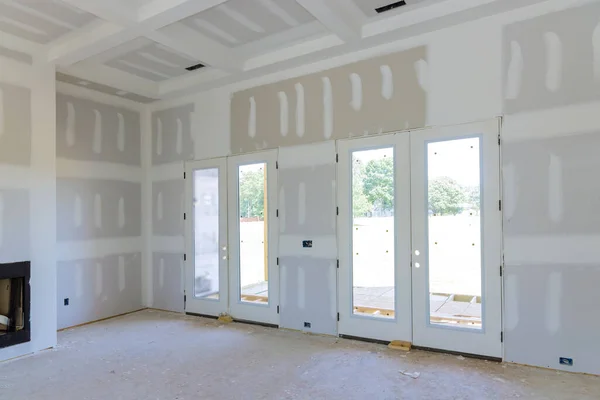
[(446, 196), (252, 194), (378, 183), (360, 204)]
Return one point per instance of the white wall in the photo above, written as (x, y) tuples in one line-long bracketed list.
[(551, 254), (29, 167), (99, 205)]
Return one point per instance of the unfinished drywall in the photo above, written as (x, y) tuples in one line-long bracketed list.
[(552, 60), (171, 145), (27, 187), (550, 189), (99, 208), (98, 288), (373, 96), (168, 280), (467, 70), (307, 212)]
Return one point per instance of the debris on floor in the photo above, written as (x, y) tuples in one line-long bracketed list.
[(400, 345), (460, 358), (225, 318), (413, 375)]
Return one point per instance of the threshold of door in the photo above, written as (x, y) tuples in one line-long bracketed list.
[(362, 339), (241, 321), (458, 353)]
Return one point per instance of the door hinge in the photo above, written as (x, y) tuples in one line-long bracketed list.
[(185, 257), (277, 213), (184, 175), (498, 139), (277, 309), (184, 300), (501, 337), (184, 216), (338, 263), (501, 270), (338, 316), (337, 158), (500, 205), (277, 260), (276, 164), (337, 211)]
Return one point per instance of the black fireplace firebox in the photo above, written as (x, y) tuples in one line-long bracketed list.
[(15, 303)]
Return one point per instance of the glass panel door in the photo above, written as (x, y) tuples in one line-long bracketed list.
[(456, 238), (374, 236), (254, 278), (206, 238)]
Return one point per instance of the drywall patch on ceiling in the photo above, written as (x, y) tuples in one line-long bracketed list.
[(16, 55), (61, 77), (327, 103), (238, 22), (40, 21), (547, 64)]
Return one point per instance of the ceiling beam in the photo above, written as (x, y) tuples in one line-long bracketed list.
[(114, 78), (118, 29), (341, 17)]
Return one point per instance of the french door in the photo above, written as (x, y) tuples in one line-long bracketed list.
[(420, 238), (457, 238), (374, 237), (206, 237), (253, 237)]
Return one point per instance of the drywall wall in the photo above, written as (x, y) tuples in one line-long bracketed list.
[(307, 211), (376, 95), (550, 250), (28, 187), (98, 206), (172, 144)]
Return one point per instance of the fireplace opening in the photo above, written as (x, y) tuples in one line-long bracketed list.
[(14, 304)]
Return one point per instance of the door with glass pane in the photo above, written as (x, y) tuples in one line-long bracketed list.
[(374, 284), (456, 238), (206, 237), (254, 275)]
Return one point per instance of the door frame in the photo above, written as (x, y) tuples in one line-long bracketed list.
[(205, 306), (263, 313), (357, 325), (486, 341)]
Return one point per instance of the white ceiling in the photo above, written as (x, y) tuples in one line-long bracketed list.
[(143, 47)]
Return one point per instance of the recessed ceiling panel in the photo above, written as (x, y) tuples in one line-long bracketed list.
[(237, 22), (152, 61), (40, 21)]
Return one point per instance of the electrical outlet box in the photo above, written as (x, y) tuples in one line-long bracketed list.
[(307, 244), (565, 361), (66, 301), (307, 324)]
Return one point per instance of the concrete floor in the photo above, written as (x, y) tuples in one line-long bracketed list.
[(160, 355)]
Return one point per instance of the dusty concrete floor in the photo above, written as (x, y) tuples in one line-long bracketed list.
[(159, 355)]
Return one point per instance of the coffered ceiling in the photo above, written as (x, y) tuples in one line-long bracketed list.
[(154, 49)]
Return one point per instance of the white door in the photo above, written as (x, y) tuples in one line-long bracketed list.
[(206, 237), (253, 235), (374, 237), (456, 238)]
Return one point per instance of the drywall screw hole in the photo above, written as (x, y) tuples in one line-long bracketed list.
[(417, 265), (417, 252)]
